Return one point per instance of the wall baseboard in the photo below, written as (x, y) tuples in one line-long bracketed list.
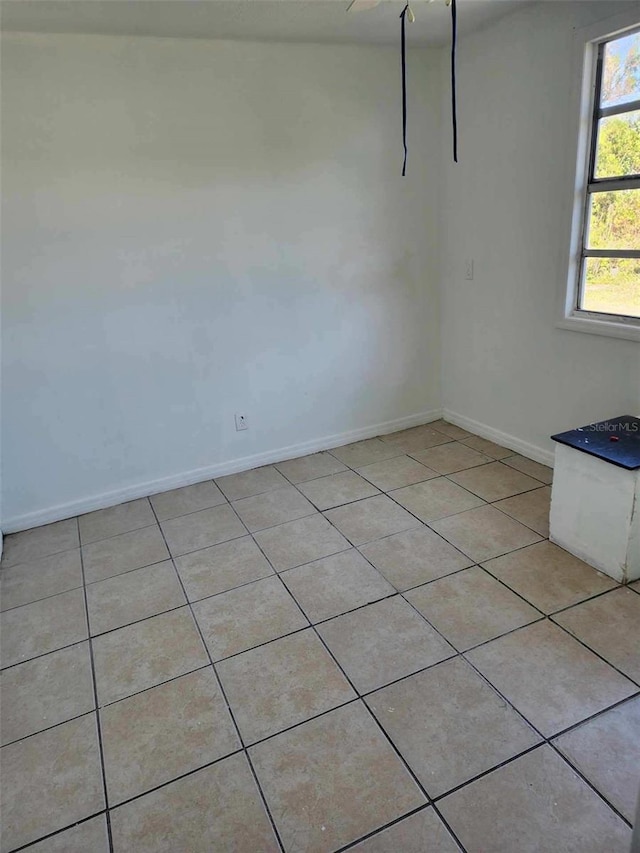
[(532, 451), (197, 475)]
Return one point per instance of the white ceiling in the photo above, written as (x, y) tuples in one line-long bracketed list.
[(252, 20)]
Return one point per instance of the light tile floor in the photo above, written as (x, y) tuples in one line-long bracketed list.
[(373, 648)]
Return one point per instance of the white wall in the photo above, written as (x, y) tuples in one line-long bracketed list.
[(506, 204), (194, 229)]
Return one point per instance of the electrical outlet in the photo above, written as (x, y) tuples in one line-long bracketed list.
[(241, 422), (468, 269)]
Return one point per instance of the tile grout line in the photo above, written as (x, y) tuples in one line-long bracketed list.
[(49, 728), (585, 600), (522, 596), (135, 529), (318, 511), (242, 586), (98, 721), (461, 654), (228, 501), (42, 556), (44, 654), (38, 600), (450, 440), (30, 844), (382, 829), (105, 704), (253, 770), (224, 696), (427, 523), (634, 681), (363, 695), (322, 513), (292, 568), (360, 699), (432, 802), (545, 740), (528, 602), (239, 751), (544, 616)]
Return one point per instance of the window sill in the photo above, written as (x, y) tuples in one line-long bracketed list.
[(613, 328)]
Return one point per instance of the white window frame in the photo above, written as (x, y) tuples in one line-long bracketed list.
[(586, 43)]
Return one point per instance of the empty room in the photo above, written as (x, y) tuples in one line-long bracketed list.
[(320, 426)]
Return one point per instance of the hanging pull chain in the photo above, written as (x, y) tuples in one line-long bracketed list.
[(403, 60), (454, 109)]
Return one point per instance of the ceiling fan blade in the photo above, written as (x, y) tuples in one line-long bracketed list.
[(362, 5)]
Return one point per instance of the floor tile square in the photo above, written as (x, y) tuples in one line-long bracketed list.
[(332, 780), (436, 499), (453, 431), (383, 642), (371, 519), (299, 542), (549, 677), (202, 529), (165, 732), (451, 457), (135, 595), (471, 607), (531, 509), (222, 567), (310, 467), (494, 481), (396, 473), (549, 577), (187, 499), (43, 626), (27, 582), (484, 533), (273, 508), (46, 691), (449, 725), (49, 781), (88, 837), (423, 831), (365, 452), (337, 489), (528, 466), (281, 684), (146, 653), (414, 557), (336, 584), (610, 625), (606, 750), (416, 438), (123, 553), (29, 545), (532, 804), (105, 523), (489, 448), (215, 810), (257, 481), (241, 618)]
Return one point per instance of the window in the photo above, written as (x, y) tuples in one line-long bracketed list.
[(604, 281), (610, 268)]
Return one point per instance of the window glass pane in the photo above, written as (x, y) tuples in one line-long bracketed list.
[(612, 286), (614, 220), (621, 71), (618, 147)]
